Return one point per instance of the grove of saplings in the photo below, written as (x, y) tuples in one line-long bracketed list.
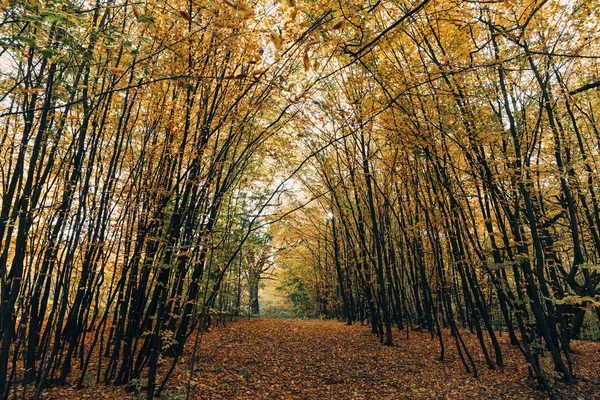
[(406, 164)]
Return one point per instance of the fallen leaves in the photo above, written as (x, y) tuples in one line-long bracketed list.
[(315, 359), (328, 360)]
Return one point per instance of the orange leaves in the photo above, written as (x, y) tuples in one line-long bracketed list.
[(276, 40), (185, 15), (245, 10), (136, 11), (338, 25), (313, 359), (306, 62), (257, 72), (236, 76), (34, 90)]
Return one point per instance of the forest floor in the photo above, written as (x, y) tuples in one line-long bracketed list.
[(267, 358)]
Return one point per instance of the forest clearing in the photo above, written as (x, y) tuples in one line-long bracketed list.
[(406, 180)]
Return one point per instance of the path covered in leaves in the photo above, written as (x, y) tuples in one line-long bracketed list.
[(274, 358), (269, 358)]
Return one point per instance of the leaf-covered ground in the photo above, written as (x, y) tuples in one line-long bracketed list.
[(313, 359)]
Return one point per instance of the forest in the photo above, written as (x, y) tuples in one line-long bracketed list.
[(417, 172)]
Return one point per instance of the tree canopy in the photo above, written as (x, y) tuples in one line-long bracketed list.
[(426, 165)]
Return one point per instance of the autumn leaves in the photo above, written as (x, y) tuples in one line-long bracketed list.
[(450, 178)]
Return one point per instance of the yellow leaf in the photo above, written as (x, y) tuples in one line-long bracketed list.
[(258, 72)]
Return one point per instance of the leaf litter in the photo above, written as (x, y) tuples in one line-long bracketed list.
[(268, 358)]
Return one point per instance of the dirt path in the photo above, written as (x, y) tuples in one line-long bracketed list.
[(268, 358), (280, 359)]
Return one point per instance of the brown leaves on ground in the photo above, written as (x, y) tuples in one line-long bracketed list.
[(314, 359), (268, 358)]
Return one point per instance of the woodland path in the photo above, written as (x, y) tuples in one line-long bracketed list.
[(315, 359), (271, 358)]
